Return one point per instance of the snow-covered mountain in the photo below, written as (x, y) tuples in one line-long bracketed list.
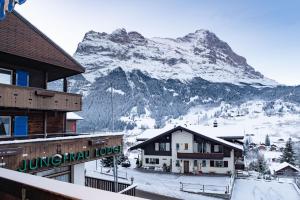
[(157, 80), (200, 54)]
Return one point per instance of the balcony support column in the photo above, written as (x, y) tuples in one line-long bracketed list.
[(45, 124), (45, 80), (65, 85)]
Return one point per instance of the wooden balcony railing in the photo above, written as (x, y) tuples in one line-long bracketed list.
[(200, 155), (12, 96), (15, 186)]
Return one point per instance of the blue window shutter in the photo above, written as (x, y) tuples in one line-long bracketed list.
[(22, 78), (21, 126)]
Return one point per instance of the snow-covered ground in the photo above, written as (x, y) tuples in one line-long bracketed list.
[(163, 184), (252, 189)]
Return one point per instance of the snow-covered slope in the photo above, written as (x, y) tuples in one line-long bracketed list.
[(199, 54), (154, 81)]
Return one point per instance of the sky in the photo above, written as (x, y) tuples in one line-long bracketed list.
[(266, 33)]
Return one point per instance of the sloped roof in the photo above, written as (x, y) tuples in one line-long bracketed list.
[(284, 165), (73, 116), (208, 137), (19, 37), (224, 132)]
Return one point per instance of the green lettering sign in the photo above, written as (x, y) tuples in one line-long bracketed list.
[(58, 159)]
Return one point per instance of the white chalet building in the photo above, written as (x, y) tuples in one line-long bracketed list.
[(181, 150)]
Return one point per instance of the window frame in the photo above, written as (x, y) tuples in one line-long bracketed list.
[(10, 126), (177, 163), (203, 163), (11, 75), (177, 146), (225, 165), (186, 146), (156, 146), (162, 147)]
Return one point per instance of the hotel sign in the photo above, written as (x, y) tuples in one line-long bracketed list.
[(8, 6), (67, 158)]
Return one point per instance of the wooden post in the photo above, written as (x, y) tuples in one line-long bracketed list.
[(65, 85), (45, 80), (45, 124)]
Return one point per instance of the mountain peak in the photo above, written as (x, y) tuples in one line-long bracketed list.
[(198, 54)]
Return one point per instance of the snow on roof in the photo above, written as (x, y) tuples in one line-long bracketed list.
[(85, 135), (284, 165), (73, 116), (208, 135), (220, 131)]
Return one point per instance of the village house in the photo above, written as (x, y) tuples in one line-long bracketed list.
[(182, 150), (285, 169)]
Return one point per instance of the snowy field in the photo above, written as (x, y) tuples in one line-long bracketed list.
[(163, 184), (168, 185), (251, 189)]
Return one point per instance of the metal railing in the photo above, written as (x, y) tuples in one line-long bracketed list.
[(200, 188), (123, 188)]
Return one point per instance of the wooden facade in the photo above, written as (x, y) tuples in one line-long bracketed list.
[(31, 60), (38, 148)]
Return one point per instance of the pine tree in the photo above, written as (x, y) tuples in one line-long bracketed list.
[(261, 164), (288, 154), (267, 141)]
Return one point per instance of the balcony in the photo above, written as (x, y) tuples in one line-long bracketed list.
[(12, 96), (200, 155), (15, 185), (33, 155)]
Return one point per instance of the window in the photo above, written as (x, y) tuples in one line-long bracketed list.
[(225, 163), (22, 78), (154, 161), (5, 76), (219, 164), (207, 148), (5, 122), (156, 146), (147, 160), (186, 146), (20, 126), (216, 148), (177, 163), (177, 146), (162, 147), (167, 146), (203, 163), (196, 147), (195, 163)]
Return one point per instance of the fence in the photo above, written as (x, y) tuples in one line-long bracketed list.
[(297, 181), (129, 191), (200, 188), (107, 185)]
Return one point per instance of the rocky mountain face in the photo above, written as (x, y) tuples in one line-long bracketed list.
[(153, 80)]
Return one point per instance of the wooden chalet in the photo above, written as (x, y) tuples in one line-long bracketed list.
[(33, 124)]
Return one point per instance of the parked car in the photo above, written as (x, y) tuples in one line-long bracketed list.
[(126, 163)]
